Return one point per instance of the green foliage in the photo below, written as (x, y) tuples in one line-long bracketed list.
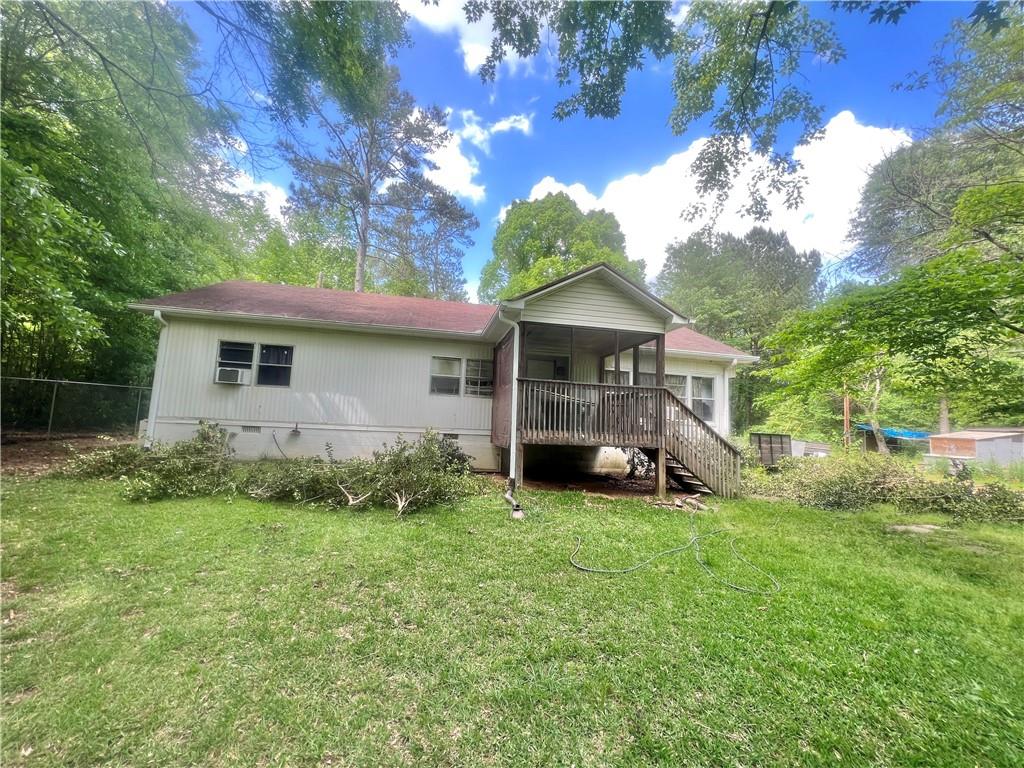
[(406, 475), (369, 176), (113, 188), (737, 290), (104, 463), (855, 481), (740, 65), (201, 466), (541, 240)]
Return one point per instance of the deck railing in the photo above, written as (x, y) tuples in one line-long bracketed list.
[(577, 413)]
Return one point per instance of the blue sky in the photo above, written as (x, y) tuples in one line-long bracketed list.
[(506, 145)]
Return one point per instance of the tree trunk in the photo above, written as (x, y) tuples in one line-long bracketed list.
[(361, 247), (876, 429), (943, 414)]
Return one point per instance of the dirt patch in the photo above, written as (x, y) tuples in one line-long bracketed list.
[(921, 529), (32, 454), (602, 486)]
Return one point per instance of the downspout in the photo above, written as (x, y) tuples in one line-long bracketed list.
[(517, 511), (158, 379)]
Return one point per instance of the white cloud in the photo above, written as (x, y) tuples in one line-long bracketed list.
[(648, 205), (275, 197), (457, 169), (476, 132), (678, 12), (447, 17)]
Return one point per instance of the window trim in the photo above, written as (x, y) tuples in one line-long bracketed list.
[(457, 377), (690, 398), (258, 365), (466, 377), (220, 362)]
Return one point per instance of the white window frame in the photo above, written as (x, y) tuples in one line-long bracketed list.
[(457, 377), (222, 363), (690, 399), (478, 389), (258, 365)]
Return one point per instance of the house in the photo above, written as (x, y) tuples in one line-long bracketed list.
[(573, 371), (999, 445)]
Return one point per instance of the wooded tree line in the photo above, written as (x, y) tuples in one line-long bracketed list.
[(120, 149)]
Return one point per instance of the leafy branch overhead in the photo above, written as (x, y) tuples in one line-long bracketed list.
[(739, 65)]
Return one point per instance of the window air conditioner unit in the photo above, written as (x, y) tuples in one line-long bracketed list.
[(232, 376)]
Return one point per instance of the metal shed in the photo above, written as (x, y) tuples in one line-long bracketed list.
[(1003, 445)]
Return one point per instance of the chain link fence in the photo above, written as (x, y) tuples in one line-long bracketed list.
[(54, 406)]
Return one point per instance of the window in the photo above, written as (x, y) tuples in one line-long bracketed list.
[(677, 384), (275, 369), (445, 374), (673, 381), (235, 354), (609, 376), (480, 377), (702, 397)]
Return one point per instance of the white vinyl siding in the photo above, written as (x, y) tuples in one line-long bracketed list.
[(593, 303), (340, 378)]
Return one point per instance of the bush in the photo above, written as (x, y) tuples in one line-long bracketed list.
[(855, 481), (405, 475), (201, 466), (105, 463)]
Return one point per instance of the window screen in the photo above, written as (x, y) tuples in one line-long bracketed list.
[(445, 374), (235, 354), (609, 376), (480, 377), (702, 397), (677, 384), (275, 367)]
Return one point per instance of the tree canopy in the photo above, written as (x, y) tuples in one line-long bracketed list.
[(741, 65), (542, 240)]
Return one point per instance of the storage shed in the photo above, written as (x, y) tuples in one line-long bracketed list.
[(1003, 446)]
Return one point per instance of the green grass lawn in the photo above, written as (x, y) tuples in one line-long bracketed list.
[(218, 632)]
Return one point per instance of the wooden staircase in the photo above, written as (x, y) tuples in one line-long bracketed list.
[(698, 458)]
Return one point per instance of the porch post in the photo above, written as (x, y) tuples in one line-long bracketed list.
[(659, 380), (572, 351), (618, 361), (659, 370), (636, 365), (521, 371)]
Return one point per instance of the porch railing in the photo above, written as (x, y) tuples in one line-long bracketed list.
[(576, 413)]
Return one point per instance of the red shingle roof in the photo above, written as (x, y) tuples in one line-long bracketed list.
[(329, 305), (347, 307), (688, 340)]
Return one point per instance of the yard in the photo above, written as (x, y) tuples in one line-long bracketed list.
[(235, 633)]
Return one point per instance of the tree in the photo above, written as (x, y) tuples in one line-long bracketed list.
[(303, 252), (542, 240), (371, 174), (738, 290), (740, 63), (116, 190)]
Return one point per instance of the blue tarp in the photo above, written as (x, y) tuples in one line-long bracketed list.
[(897, 433)]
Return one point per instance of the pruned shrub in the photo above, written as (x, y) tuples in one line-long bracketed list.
[(410, 475), (104, 463), (201, 466), (855, 481)]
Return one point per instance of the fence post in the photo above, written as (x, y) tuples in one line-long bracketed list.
[(138, 410), (53, 402)]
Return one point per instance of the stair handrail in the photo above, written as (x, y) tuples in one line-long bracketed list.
[(726, 480)]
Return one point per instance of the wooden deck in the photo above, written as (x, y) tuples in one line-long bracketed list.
[(621, 416)]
